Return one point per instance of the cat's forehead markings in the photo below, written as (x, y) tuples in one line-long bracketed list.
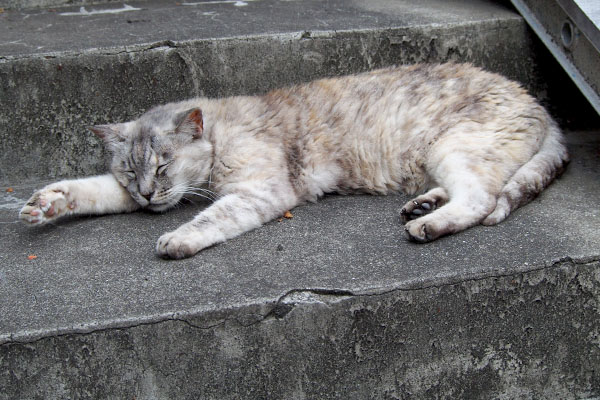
[(129, 162), (155, 142), (138, 150)]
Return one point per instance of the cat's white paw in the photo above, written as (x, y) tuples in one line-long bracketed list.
[(500, 213), (427, 228), (47, 205), (417, 231), (424, 204), (181, 243)]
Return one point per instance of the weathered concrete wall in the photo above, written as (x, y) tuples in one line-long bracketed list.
[(527, 336), (47, 101)]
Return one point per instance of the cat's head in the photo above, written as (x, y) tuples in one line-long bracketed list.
[(159, 157)]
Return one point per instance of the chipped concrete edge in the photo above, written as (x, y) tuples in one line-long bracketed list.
[(279, 307), (285, 36)]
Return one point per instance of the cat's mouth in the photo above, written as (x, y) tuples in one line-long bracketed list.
[(153, 204), (158, 201), (158, 207)]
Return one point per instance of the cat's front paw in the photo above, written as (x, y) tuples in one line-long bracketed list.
[(179, 244), (47, 205)]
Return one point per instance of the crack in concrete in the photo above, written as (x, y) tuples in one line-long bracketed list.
[(449, 281), (193, 68), (131, 49)]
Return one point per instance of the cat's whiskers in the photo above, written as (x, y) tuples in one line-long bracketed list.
[(204, 186), (185, 189), (210, 174), (208, 194)]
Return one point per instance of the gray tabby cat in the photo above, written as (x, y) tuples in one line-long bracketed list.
[(475, 143)]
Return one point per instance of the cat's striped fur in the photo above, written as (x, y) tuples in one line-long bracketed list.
[(475, 143)]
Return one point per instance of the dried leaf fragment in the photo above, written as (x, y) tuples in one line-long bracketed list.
[(10, 190), (287, 215), (31, 257)]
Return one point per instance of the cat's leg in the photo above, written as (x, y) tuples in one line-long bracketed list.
[(470, 198), (424, 204), (230, 216), (532, 177), (462, 211), (93, 195)]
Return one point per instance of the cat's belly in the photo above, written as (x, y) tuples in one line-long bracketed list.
[(377, 159), (380, 173)]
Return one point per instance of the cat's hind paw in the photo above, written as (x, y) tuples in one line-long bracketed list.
[(424, 204), (418, 232), (427, 229), (415, 209), (46, 205)]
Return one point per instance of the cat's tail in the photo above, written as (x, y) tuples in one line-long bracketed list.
[(529, 180)]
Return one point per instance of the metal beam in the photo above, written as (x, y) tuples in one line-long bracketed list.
[(569, 29)]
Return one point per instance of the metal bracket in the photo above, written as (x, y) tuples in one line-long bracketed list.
[(569, 29)]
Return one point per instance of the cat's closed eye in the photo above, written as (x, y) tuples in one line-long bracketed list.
[(130, 175), (162, 168)]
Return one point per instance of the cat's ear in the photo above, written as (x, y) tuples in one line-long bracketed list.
[(110, 134), (190, 122)]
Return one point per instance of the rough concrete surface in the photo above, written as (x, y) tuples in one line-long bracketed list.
[(133, 23), (333, 303)]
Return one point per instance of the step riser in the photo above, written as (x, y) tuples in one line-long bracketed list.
[(46, 102), (530, 335)]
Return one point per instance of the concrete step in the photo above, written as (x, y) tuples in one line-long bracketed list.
[(61, 73), (332, 303)]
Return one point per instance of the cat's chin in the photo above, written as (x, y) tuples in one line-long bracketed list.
[(159, 207)]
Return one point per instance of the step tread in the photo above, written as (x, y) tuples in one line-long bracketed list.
[(34, 32), (100, 272)]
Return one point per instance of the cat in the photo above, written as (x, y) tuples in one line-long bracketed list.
[(474, 143)]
